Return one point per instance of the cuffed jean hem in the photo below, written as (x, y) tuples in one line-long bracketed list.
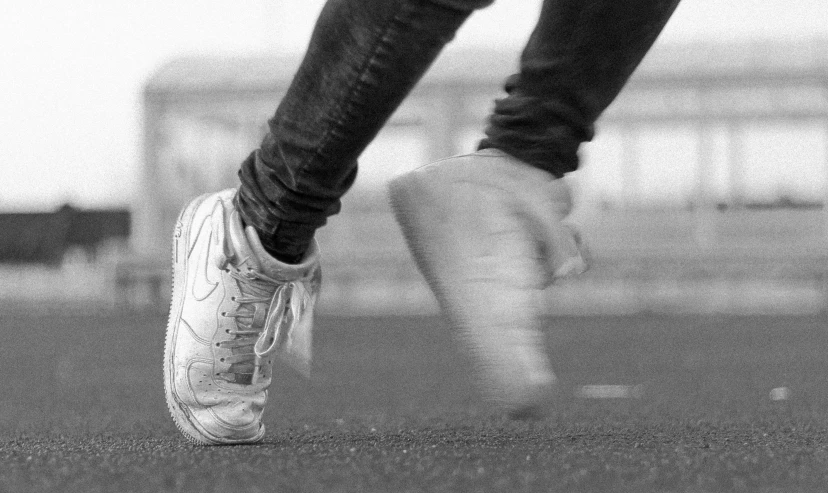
[(285, 239), (364, 58)]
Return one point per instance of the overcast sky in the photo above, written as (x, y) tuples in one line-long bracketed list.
[(71, 72)]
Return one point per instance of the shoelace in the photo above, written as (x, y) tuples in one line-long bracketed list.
[(267, 330), (285, 307)]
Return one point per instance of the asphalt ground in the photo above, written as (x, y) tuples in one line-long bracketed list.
[(392, 408)]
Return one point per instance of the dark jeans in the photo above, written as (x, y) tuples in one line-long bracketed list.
[(366, 55)]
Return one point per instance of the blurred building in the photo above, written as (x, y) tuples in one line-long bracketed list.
[(703, 191), (62, 257), (46, 237)]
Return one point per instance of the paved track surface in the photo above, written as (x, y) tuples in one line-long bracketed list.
[(392, 408)]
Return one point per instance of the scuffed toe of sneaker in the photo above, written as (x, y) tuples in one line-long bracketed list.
[(228, 423), (211, 412)]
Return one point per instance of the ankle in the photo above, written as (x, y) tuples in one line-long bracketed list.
[(288, 243), (287, 254)]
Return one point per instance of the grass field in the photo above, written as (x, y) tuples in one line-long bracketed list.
[(392, 408)]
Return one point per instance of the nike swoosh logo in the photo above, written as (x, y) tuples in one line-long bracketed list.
[(202, 285)]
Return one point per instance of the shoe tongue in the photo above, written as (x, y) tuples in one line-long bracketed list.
[(267, 265), (274, 268), (248, 247), (240, 244)]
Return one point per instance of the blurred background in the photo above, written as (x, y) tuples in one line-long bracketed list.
[(703, 191)]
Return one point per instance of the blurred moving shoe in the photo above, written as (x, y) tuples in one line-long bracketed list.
[(234, 308), (485, 230)]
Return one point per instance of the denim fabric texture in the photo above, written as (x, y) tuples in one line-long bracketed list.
[(580, 55), (364, 58)]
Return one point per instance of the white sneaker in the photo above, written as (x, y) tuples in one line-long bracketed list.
[(234, 308), (485, 230)]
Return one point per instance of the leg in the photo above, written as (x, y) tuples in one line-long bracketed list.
[(235, 307), (485, 229), (364, 58), (578, 58)]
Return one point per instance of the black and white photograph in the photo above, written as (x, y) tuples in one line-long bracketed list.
[(399, 246)]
